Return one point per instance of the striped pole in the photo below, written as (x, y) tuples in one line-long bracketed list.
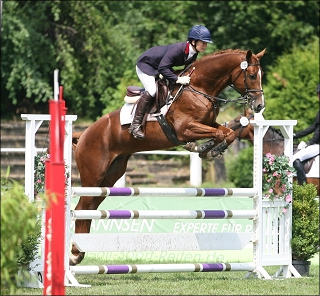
[(162, 214), (156, 268), (134, 191)]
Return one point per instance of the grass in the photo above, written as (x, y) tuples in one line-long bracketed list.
[(189, 283)]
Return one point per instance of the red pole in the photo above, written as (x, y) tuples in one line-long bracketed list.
[(56, 192), (47, 280)]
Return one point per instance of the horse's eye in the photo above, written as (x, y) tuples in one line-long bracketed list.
[(253, 76)]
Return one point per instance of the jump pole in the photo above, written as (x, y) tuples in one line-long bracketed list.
[(54, 269)]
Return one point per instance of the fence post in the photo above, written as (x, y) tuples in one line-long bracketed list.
[(195, 170)]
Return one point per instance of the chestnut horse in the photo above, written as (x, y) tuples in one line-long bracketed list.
[(105, 147)]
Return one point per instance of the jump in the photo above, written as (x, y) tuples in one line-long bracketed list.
[(104, 148)]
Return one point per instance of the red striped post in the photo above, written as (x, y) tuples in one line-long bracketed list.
[(55, 212)]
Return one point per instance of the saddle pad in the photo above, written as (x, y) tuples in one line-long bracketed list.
[(127, 113)]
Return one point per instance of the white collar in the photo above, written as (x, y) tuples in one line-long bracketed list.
[(191, 51)]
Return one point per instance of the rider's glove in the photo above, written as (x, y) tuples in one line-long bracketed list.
[(183, 80)]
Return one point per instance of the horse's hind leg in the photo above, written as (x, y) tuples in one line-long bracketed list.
[(114, 172)]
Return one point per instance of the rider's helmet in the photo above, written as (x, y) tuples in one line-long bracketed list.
[(318, 88), (199, 32)]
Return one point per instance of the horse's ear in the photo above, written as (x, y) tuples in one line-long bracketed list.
[(248, 55), (261, 54)]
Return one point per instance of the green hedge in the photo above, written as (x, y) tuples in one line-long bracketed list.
[(20, 232), (240, 170)]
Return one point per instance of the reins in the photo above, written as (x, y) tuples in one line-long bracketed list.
[(245, 99)]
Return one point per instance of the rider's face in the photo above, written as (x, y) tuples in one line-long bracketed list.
[(201, 46)]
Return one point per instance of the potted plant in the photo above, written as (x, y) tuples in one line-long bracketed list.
[(305, 226), (276, 178)]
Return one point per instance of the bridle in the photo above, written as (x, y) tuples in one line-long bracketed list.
[(247, 98)]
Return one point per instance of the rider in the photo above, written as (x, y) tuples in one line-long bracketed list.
[(161, 60), (311, 149)]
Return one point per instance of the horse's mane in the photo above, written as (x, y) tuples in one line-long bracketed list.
[(223, 51), (272, 131)]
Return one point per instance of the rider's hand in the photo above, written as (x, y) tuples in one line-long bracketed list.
[(183, 80), (294, 137)]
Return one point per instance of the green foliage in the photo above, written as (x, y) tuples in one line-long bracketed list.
[(240, 171), (95, 45), (292, 81), (305, 222), (20, 232)]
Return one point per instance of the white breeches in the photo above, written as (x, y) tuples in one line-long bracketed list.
[(308, 152), (148, 82)]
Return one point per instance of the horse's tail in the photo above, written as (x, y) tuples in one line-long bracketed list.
[(75, 139)]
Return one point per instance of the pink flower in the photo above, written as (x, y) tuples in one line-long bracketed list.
[(39, 181), (275, 174), (269, 180), (288, 198), (284, 210), (270, 190), (264, 170)]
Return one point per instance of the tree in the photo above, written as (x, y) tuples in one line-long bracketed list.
[(292, 81), (95, 44)]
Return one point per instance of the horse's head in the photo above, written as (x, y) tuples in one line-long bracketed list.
[(247, 79)]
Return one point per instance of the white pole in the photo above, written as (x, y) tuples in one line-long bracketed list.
[(195, 170)]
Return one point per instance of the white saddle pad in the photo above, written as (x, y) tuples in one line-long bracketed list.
[(127, 113)]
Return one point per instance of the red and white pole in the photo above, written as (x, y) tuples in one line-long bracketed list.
[(54, 269)]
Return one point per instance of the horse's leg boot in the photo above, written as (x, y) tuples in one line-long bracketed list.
[(142, 107), (301, 175)]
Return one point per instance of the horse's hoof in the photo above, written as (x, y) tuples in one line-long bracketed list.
[(191, 146), (74, 260), (213, 154)]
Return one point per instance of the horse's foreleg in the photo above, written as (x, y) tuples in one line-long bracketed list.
[(215, 147), (83, 226), (202, 148), (217, 151)]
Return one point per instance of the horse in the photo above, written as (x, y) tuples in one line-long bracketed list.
[(104, 148), (273, 142)]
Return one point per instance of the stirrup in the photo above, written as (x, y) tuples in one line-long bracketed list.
[(137, 132)]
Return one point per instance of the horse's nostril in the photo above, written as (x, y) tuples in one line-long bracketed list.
[(258, 108)]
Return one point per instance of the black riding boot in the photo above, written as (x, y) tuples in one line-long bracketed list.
[(142, 107), (301, 175)]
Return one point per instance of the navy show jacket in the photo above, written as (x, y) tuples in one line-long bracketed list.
[(162, 59)]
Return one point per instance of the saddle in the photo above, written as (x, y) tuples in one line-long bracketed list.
[(162, 95), (307, 164)]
